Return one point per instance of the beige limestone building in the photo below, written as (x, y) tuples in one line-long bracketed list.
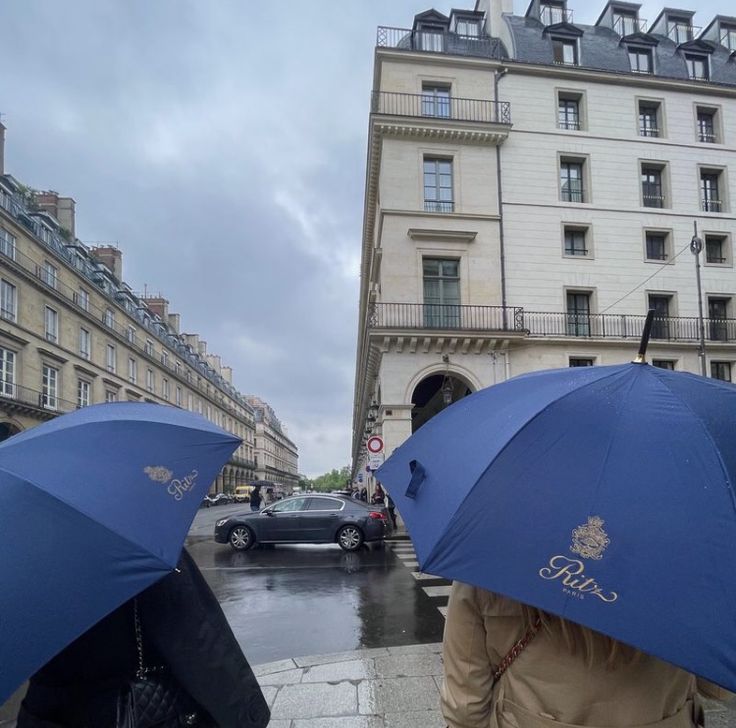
[(531, 191), (73, 333), (276, 456)]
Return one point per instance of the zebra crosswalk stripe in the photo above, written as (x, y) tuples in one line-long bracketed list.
[(439, 592)]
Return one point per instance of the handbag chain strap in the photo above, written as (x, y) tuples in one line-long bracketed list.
[(138, 640), (517, 649)]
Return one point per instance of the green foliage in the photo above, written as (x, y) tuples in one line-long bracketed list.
[(334, 480)]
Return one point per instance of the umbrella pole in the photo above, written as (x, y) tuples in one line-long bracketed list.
[(641, 356)]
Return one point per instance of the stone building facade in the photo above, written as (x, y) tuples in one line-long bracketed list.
[(73, 333), (532, 189)]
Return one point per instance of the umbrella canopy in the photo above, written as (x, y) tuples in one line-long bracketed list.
[(604, 495), (94, 507)]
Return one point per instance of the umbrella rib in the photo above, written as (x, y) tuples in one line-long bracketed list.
[(82, 512)]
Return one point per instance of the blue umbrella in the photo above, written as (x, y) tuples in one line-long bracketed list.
[(94, 507), (604, 495)]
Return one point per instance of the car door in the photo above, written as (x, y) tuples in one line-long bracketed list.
[(321, 516), (280, 522)]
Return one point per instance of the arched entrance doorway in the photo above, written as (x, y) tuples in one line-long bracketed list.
[(433, 394), (8, 429)]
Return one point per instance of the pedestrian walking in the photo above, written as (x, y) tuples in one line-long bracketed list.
[(507, 664), (255, 498), (364, 494), (176, 624), (391, 509), (379, 497)]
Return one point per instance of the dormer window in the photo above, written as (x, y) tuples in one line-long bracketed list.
[(697, 67), (641, 60), (468, 27), (679, 30), (625, 23), (551, 13), (565, 51), (432, 38), (728, 36)]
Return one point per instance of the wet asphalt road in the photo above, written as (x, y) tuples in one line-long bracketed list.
[(286, 601)]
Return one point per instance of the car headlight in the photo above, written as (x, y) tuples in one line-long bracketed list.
[(221, 522)]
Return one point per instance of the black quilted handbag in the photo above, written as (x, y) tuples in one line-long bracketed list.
[(154, 699)]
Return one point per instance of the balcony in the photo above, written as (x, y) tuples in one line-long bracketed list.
[(625, 25), (426, 41), (31, 401), (429, 106), (553, 15), (539, 324), (711, 205)]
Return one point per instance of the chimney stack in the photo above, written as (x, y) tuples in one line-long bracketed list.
[(175, 322), (159, 306), (60, 208), (111, 258), (227, 374)]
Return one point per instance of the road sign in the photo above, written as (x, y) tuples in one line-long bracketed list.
[(375, 460), (374, 445), (360, 477)]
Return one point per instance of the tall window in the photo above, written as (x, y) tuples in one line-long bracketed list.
[(85, 343), (436, 100), (83, 299), (8, 300), (679, 30), (571, 181), (50, 387), (432, 38), (109, 318), (721, 370), (709, 192), (150, 381), (697, 67), (83, 389), (49, 274), (656, 246), (728, 36), (132, 370), (641, 60), (112, 359), (468, 26), (718, 315), (7, 244), (438, 185), (111, 396), (661, 324), (165, 358), (441, 293), (565, 52), (7, 372), (578, 313), (552, 13), (648, 119), (149, 347), (568, 112), (707, 126), (51, 324), (575, 241), (716, 249), (652, 191), (178, 397), (165, 388), (625, 23)]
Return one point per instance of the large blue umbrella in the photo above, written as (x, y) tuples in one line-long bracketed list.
[(94, 507), (604, 495)]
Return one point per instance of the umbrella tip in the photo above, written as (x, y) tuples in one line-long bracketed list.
[(641, 356)]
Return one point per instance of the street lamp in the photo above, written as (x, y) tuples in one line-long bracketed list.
[(447, 383), (696, 246)]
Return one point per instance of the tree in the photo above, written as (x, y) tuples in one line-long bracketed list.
[(334, 480)]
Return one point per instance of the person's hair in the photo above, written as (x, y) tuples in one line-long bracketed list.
[(595, 648)]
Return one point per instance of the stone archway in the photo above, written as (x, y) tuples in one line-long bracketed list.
[(8, 429), (428, 398)]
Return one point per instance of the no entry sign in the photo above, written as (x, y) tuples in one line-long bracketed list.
[(374, 445)]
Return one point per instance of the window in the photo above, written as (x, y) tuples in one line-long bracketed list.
[(7, 373), (438, 185), (721, 370), (577, 361), (441, 293), (49, 274), (576, 241), (82, 393), (661, 324), (150, 381), (625, 23), (709, 191), (165, 358), (111, 396), (7, 244), (571, 181), (568, 112), (436, 100), (652, 191), (132, 370), (716, 249), (697, 67), (178, 397), (468, 26), (112, 359), (50, 387), (565, 52), (578, 313), (432, 38), (641, 60), (657, 244), (728, 36), (287, 506), (83, 299), (551, 13), (165, 388), (51, 324), (190, 402), (324, 504), (649, 119), (8, 300), (177, 367), (130, 334), (707, 126), (718, 318), (85, 343), (109, 318), (679, 30), (664, 364)]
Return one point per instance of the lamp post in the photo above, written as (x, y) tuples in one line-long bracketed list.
[(696, 246), (446, 383)]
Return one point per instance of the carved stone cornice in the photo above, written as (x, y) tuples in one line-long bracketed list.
[(463, 133)]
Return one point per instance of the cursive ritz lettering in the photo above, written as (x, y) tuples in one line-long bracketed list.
[(571, 573), (179, 486)]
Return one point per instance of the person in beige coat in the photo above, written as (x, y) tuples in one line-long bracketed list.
[(565, 676)]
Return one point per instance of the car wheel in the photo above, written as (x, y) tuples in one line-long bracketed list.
[(350, 538), (241, 538)]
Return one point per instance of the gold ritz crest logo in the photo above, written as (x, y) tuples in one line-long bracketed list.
[(176, 486), (158, 473), (590, 542)]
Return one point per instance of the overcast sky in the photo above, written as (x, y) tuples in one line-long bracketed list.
[(222, 145)]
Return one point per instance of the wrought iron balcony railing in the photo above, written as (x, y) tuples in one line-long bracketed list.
[(653, 200), (711, 205), (444, 206), (552, 15), (681, 33), (624, 25), (450, 317), (11, 392), (436, 41), (431, 106)]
